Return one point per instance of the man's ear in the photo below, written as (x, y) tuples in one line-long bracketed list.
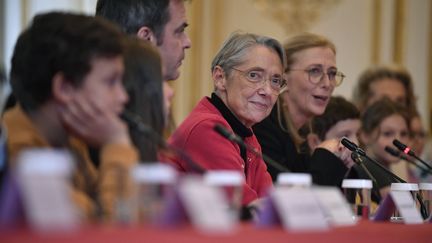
[(364, 138), (61, 89), (147, 34), (313, 141), (219, 77)]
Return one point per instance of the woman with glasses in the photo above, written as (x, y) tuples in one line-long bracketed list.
[(311, 77), (247, 73)]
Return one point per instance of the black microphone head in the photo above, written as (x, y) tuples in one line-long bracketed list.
[(219, 128), (402, 147), (349, 145), (392, 151), (399, 145), (222, 131)]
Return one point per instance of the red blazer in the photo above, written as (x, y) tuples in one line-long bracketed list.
[(211, 151)]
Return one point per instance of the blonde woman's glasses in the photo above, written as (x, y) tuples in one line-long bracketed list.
[(317, 74)]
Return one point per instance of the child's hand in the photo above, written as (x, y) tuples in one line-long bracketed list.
[(94, 124), (334, 146)]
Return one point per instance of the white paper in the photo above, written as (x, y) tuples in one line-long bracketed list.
[(205, 206), (298, 209), (44, 177), (407, 208), (334, 205)]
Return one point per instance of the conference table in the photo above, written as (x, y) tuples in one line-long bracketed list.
[(363, 231)]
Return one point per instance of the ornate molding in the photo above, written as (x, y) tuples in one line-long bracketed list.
[(295, 15)]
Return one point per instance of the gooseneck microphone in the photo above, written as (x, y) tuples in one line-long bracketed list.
[(407, 150), (354, 148), (356, 157), (135, 121), (239, 141), (398, 154)]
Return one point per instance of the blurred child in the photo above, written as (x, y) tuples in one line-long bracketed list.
[(382, 122), (418, 139), (67, 77), (340, 119)]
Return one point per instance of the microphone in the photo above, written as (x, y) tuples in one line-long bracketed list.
[(354, 148), (239, 141), (398, 154), (356, 157), (230, 136), (407, 150), (135, 121)]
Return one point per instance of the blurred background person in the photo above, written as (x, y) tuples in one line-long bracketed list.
[(311, 75), (393, 82), (418, 143), (162, 23), (376, 82), (340, 119), (247, 73), (382, 122), (143, 82), (70, 94)]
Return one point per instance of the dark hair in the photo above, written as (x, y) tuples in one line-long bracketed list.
[(143, 82), (380, 110), (131, 15), (59, 43), (338, 109), (362, 92)]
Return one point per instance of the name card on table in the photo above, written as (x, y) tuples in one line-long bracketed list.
[(404, 203), (205, 206), (334, 205), (44, 178), (296, 208)]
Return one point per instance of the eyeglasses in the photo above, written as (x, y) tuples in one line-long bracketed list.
[(317, 74), (257, 77)]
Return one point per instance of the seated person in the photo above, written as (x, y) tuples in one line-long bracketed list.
[(340, 119), (418, 139), (247, 73), (312, 75), (143, 82), (67, 78), (382, 122)]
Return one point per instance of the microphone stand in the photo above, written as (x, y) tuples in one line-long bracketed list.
[(357, 158), (135, 121), (266, 158), (429, 168), (408, 151), (221, 130), (423, 209), (354, 148)]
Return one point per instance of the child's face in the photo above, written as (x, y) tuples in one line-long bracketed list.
[(419, 135), (103, 85), (346, 128), (392, 127)]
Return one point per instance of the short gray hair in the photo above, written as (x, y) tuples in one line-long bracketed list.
[(237, 45)]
